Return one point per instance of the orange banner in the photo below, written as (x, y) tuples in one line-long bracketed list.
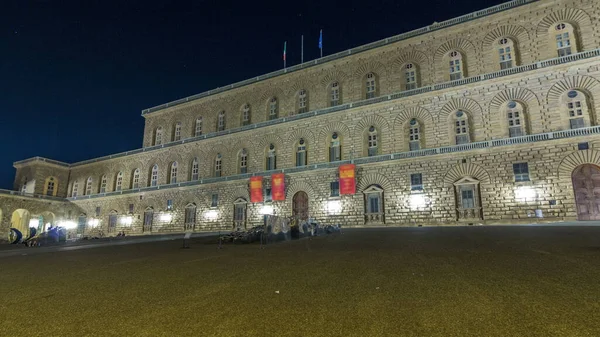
[(278, 186), (256, 189), (347, 179)]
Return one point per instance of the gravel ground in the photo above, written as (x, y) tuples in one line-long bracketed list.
[(457, 281)]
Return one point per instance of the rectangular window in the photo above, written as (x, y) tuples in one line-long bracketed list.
[(198, 131), (416, 182), (414, 146), (521, 171), (300, 157), (98, 211), (335, 96), (373, 203), (268, 196), (576, 123), (335, 188), (215, 200), (334, 153), (130, 208), (468, 199), (169, 205)]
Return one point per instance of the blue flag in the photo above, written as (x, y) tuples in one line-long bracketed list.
[(321, 39)]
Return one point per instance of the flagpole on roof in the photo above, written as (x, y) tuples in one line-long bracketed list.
[(284, 52), (302, 50), (321, 42)]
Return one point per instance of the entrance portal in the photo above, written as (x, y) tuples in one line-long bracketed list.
[(586, 185), (300, 205)]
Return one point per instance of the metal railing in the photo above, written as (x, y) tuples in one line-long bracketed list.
[(366, 160), (376, 44)]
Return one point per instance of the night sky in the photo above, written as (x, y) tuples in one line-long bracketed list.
[(75, 75)]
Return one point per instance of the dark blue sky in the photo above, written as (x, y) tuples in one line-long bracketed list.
[(75, 75)]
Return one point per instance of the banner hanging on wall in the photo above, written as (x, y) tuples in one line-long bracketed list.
[(278, 186), (256, 189), (347, 179)]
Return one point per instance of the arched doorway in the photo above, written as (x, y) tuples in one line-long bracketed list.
[(300, 205), (586, 186), (20, 221), (48, 219)]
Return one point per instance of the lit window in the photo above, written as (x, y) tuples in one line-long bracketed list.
[(271, 159), (521, 171), (410, 76), (456, 69), (221, 121), (416, 182), (154, 176), (371, 86), (273, 108), (246, 114), (301, 153), (334, 94), (302, 101), (119, 181), (335, 151), (198, 129), (173, 176), (372, 141), (461, 128)]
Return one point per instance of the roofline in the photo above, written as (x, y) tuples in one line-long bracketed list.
[(339, 55)]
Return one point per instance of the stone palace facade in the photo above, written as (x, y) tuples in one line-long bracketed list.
[(488, 118)]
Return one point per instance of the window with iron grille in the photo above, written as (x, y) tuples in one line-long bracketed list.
[(521, 171), (416, 182)]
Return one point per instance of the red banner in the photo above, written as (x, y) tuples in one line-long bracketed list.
[(256, 189), (347, 179), (278, 186)]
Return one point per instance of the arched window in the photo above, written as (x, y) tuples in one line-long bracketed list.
[(371, 85), (88, 186), (271, 158), (119, 182), (565, 38), (177, 132), (456, 65), (190, 217), (335, 148), (516, 119), (158, 136), (461, 128), (173, 175), (195, 170), (372, 142), (243, 161), (51, 187), (302, 101), (506, 53), (135, 181), (75, 189), (301, 153), (246, 114), (198, 127), (273, 108), (576, 106), (218, 165), (103, 182), (335, 97), (410, 76), (374, 212), (221, 121), (414, 135), (154, 175)]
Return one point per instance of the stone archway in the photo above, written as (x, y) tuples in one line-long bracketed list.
[(300, 205), (20, 221), (586, 187)]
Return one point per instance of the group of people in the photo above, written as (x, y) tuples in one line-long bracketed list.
[(121, 233)]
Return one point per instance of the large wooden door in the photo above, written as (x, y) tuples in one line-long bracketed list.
[(148, 218), (586, 185), (300, 205)]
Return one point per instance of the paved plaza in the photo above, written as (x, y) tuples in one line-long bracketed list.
[(454, 281)]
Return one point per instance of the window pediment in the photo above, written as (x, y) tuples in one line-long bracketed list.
[(467, 181)]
